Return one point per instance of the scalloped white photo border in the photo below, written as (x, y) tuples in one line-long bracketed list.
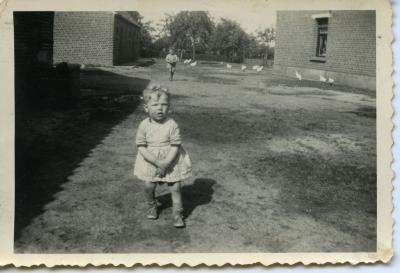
[(384, 84)]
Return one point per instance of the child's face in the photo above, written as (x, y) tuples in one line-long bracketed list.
[(158, 107), (171, 51)]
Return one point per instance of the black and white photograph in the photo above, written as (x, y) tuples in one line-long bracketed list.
[(165, 129)]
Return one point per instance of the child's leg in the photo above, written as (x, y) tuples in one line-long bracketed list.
[(177, 208), (150, 189)]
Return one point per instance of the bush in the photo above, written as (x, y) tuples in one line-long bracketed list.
[(271, 53)]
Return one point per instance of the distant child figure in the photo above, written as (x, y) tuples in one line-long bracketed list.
[(171, 60), (161, 157)]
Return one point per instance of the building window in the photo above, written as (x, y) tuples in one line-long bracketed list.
[(322, 36)]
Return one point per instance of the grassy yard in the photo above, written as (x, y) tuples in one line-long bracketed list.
[(279, 166)]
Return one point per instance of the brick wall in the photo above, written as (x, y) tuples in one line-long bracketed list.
[(84, 37), (351, 42), (126, 40)]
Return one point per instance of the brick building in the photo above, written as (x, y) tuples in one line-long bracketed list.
[(336, 44), (33, 52), (98, 38), (37, 81)]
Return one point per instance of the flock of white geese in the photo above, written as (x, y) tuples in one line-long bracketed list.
[(259, 68), (321, 78)]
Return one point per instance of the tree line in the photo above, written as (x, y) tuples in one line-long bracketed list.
[(193, 32)]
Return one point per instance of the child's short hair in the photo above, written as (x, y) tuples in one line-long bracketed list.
[(155, 89)]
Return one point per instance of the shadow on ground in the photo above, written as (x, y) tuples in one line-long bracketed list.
[(142, 62), (194, 195), (145, 62), (99, 82), (50, 143)]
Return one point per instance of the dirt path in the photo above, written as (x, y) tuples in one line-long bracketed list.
[(279, 166)]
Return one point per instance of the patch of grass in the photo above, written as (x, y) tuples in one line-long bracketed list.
[(369, 112), (323, 188), (301, 93), (50, 143), (211, 79), (258, 89), (275, 80)]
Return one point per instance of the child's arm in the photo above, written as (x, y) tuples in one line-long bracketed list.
[(162, 164), (175, 141), (149, 157), (166, 162), (141, 143)]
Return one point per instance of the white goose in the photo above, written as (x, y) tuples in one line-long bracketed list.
[(298, 76)]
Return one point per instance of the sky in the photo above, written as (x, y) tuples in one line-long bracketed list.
[(250, 15)]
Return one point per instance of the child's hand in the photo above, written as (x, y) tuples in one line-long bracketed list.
[(162, 164), (160, 172)]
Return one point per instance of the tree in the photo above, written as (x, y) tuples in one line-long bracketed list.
[(146, 39), (230, 39), (253, 48), (266, 37), (146, 28), (189, 29), (160, 45)]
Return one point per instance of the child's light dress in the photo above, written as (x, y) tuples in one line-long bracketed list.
[(158, 138)]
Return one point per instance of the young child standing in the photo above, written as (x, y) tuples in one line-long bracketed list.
[(171, 60), (161, 158)]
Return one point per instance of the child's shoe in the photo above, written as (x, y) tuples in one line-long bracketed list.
[(178, 218), (152, 212)]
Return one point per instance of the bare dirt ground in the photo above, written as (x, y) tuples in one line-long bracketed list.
[(279, 166)]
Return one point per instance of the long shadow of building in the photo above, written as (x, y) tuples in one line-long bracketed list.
[(56, 126)]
